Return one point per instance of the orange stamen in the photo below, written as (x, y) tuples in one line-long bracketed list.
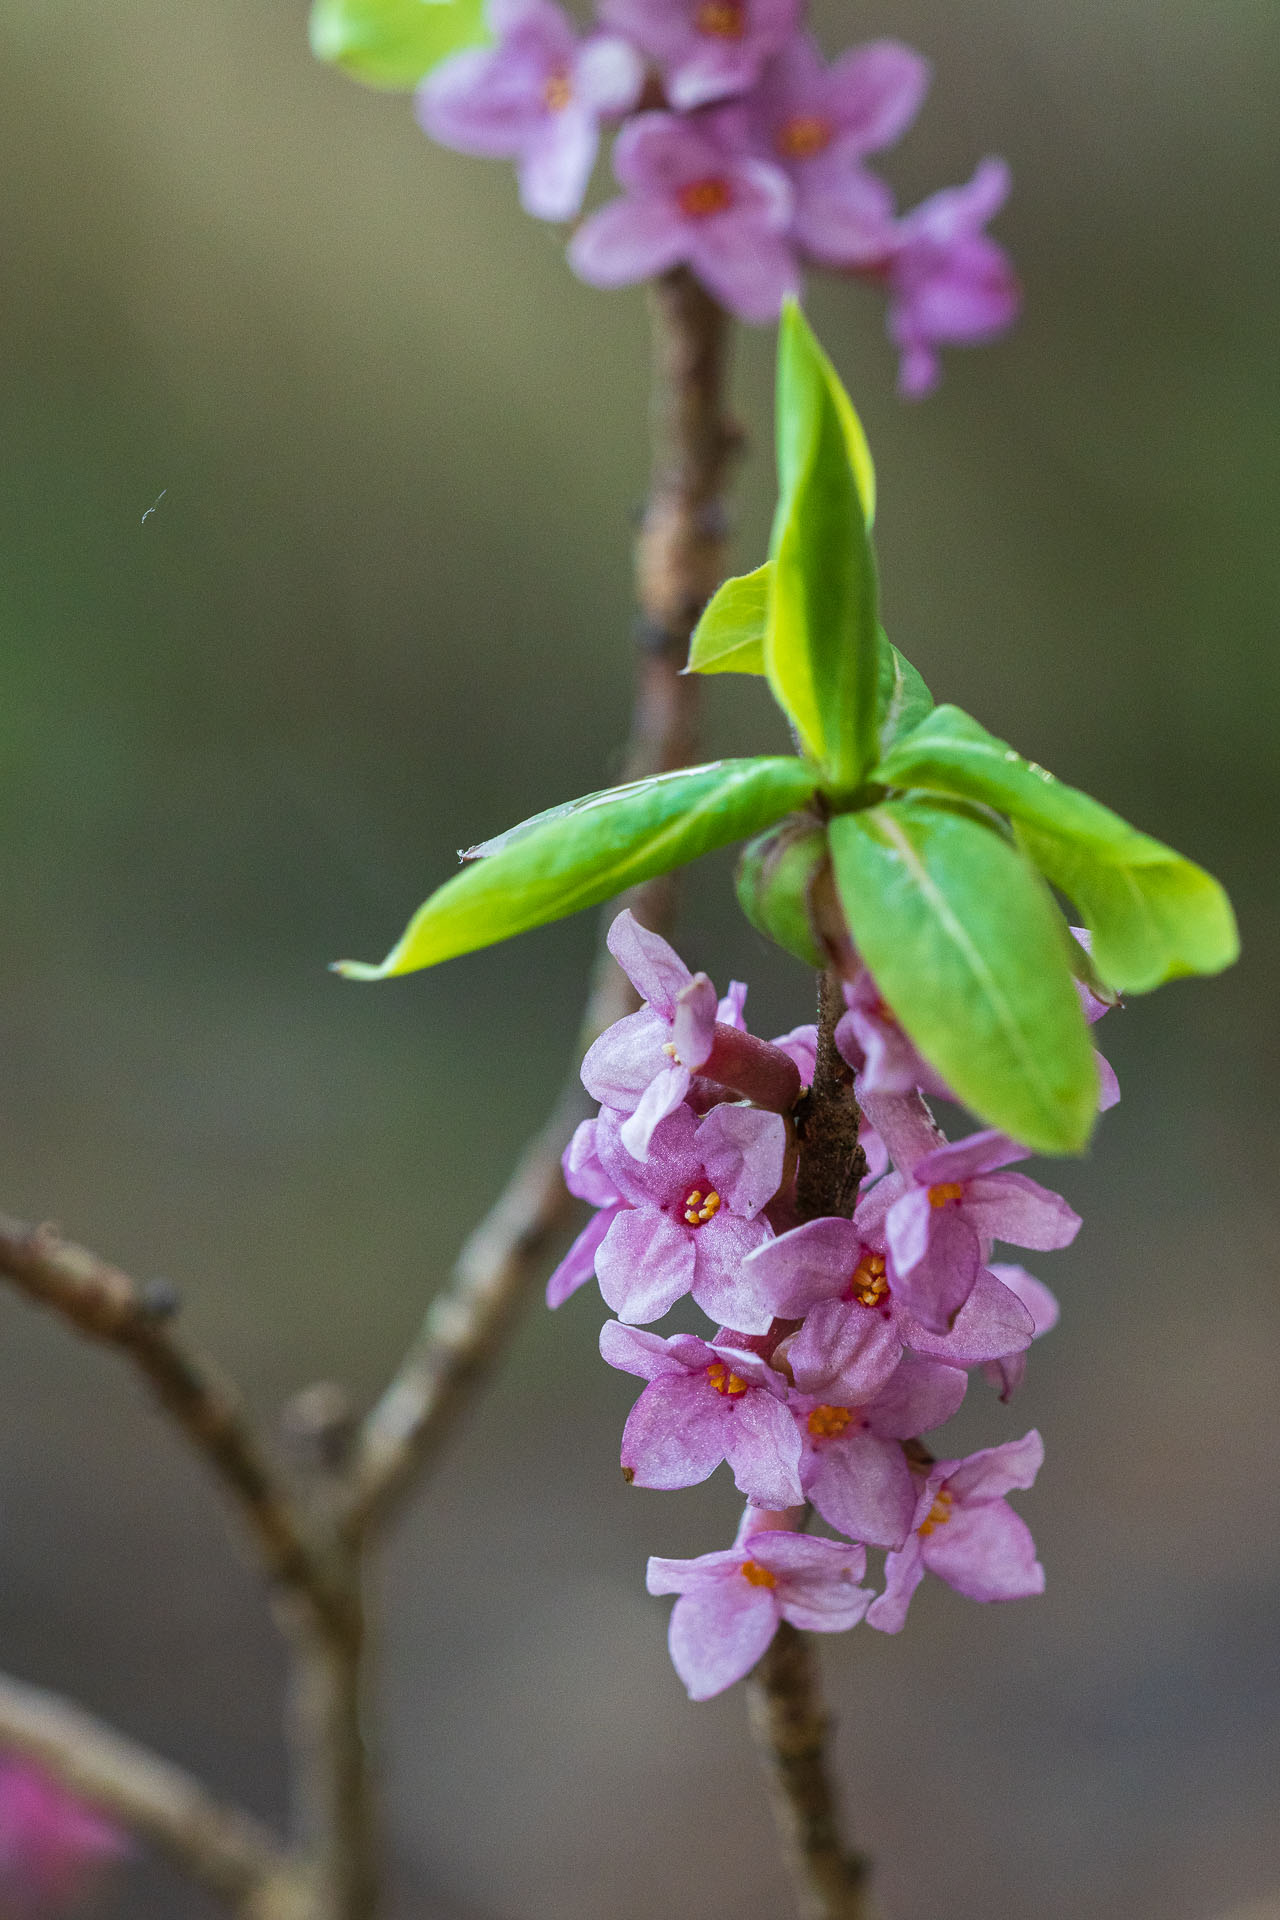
[(700, 1207), (557, 93), (701, 198), (723, 19), (939, 1513), (869, 1284), (827, 1423), (804, 136), (725, 1382), (758, 1576), (948, 1190)]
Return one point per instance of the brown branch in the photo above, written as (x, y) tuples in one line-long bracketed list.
[(791, 1726), (224, 1849), (105, 1305), (680, 559), (785, 1702)]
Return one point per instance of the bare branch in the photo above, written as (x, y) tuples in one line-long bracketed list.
[(224, 1849), (104, 1304), (680, 557), (784, 1695), (791, 1726)]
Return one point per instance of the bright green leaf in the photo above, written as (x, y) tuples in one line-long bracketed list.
[(970, 953), (1152, 914), (729, 638), (902, 698), (577, 855), (393, 43), (821, 637)]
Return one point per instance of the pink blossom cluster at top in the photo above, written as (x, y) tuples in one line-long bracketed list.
[(836, 1343), (742, 156)]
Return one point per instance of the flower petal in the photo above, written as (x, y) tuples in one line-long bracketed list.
[(579, 1264), (743, 1151), (903, 1573), (645, 1264), (719, 1630), (762, 1446), (1009, 1206), (675, 1433), (863, 1487), (986, 1552), (661, 1097)]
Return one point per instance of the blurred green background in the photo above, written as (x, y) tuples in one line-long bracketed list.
[(382, 610)]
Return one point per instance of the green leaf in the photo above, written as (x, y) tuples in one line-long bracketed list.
[(777, 873), (393, 43), (1152, 914), (970, 953), (902, 698), (821, 652), (579, 854), (729, 638)]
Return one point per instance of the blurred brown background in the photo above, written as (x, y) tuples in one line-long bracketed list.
[(382, 610)]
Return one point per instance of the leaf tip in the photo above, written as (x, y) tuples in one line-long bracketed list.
[(359, 969)]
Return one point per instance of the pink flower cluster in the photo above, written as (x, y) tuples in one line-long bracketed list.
[(837, 1343), (52, 1844), (743, 155)]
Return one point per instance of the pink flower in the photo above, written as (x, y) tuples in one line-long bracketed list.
[(871, 1041), (693, 200), (818, 123), (693, 1211), (644, 1065), (854, 1469), (706, 49), (966, 1534), (51, 1841), (730, 1603), (537, 97), (838, 1277), (704, 1404), (949, 283), (586, 1179)]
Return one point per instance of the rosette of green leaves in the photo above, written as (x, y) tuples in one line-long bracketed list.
[(393, 43), (899, 830)]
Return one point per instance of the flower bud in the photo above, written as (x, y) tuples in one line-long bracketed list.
[(777, 878)]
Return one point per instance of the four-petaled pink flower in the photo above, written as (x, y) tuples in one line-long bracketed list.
[(645, 1065), (706, 49), (693, 200), (818, 123), (705, 1403), (854, 1469), (51, 1841), (730, 1603), (949, 283), (537, 97), (965, 1533), (837, 1276), (954, 1205), (693, 1211)]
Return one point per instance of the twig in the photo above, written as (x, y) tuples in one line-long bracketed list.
[(785, 1703), (790, 1725), (104, 1304), (224, 1849), (680, 558)]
